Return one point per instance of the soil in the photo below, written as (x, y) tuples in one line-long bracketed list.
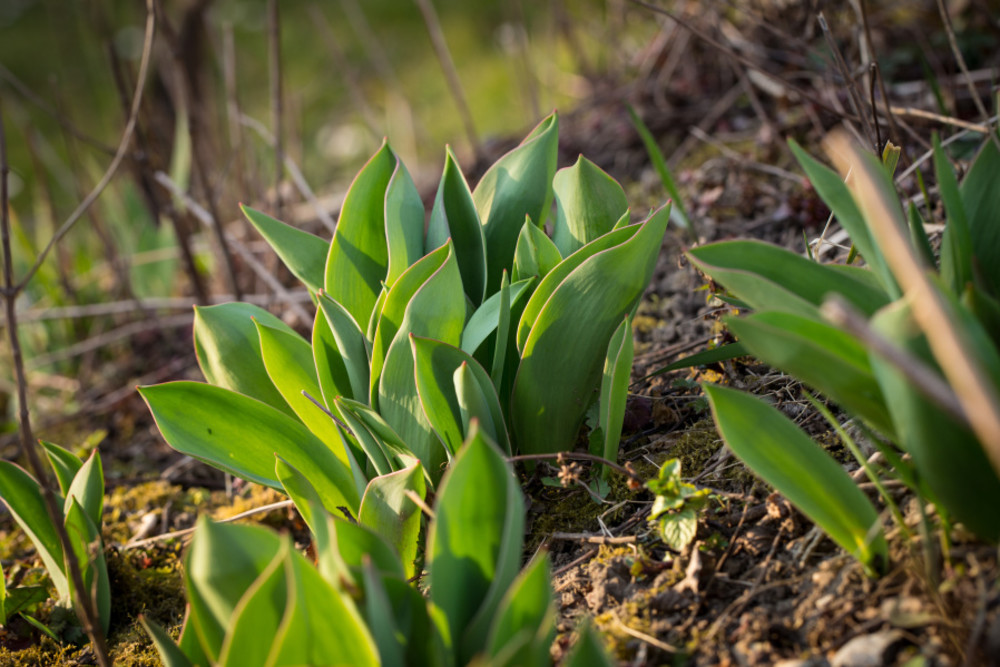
[(759, 585)]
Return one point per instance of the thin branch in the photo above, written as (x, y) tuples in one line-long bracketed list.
[(281, 504), (209, 221), (433, 24), (852, 93), (147, 48), (274, 66), (578, 456), (981, 128), (84, 602)]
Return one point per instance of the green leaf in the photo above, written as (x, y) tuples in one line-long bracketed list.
[(477, 402), (303, 253), (771, 278), (563, 355), (288, 359), (359, 259), (85, 538), (614, 388), (981, 199), (64, 463), (485, 319), (525, 619), (921, 243), (956, 241), (216, 584), (474, 544), (250, 632), (824, 357), (535, 254), (371, 444), (241, 435), (786, 458), (835, 193), (404, 223), (394, 309), (519, 184), (435, 366), (386, 509), (381, 619), (588, 651), (331, 371), (87, 488), (454, 216), (554, 278), (437, 310), (679, 213), (228, 349), (589, 204), (678, 528), (350, 345), (947, 455), (170, 653), (23, 497), (356, 543)]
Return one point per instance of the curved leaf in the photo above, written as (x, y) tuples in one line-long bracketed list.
[(563, 355), (535, 254), (387, 509), (87, 489), (527, 611), (589, 204), (786, 458), (614, 388), (228, 350), (350, 344), (303, 253), (518, 184), (454, 216), (64, 463), (88, 547), (241, 435), (771, 278), (485, 319)]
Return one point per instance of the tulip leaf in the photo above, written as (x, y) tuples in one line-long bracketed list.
[(771, 278), (303, 253), (64, 462), (478, 402), (203, 421), (614, 389), (387, 509), (786, 458), (381, 618), (563, 356), (535, 254), (228, 350), (947, 455), (474, 544), (437, 310), (254, 623), (85, 538), (525, 620), (454, 216), (823, 356), (87, 488), (588, 651), (404, 223), (485, 319), (23, 497), (350, 344), (981, 199), (519, 184), (288, 359), (589, 204), (170, 653), (956, 240)]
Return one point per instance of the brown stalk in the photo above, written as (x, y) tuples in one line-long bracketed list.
[(84, 603), (933, 314), (849, 84), (274, 67)]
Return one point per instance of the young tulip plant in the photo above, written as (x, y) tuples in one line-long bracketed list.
[(254, 599), (908, 345), (81, 486), (483, 318)]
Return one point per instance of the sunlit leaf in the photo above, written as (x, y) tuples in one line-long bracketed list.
[(519, 184), (350, 345), (563, 356), (786, 458), (525, 619), (228, 349), (64, 463), (85, 538), (589, 203), (87, 488), (387, 509), (303, 253), (204, 421), (454, 216), (614, 388), (535, 254)]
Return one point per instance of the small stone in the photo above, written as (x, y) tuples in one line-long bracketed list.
[(867, 650)]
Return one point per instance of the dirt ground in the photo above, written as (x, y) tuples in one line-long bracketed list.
[(759, 585)]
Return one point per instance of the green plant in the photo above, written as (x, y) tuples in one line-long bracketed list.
[(418, 335), (908, 345), (81, 484), (251, 594), (675, 510)]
